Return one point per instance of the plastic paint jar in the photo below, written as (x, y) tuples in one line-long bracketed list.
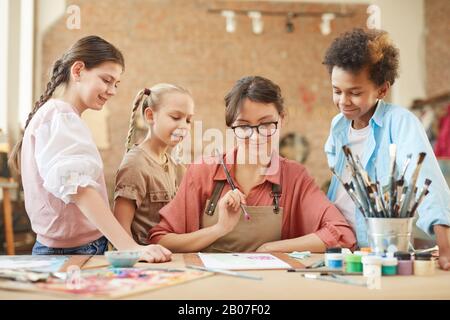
[(405, 264), (333, 258), (353, 263), (424, 264), (371, 266), (389, 266)]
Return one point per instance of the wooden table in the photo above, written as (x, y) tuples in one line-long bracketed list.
[(6, 185), (279, 284)]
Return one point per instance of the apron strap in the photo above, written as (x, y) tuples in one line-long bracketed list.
[(217, 191), (218, 187), (276, 194)]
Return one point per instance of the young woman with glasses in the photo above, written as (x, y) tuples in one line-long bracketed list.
[(284, 208)]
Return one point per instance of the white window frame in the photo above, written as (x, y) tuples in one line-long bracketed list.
[(4, 24), (26, 66)]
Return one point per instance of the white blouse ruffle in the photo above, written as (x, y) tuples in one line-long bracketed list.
[(66, 156)]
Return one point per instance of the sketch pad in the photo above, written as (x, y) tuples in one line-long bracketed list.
[(194, 259)]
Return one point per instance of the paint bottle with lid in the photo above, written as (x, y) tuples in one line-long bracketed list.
[(371, 266), (333, 258), (424, 264), (405, 263), (389, 266), (353, 263)]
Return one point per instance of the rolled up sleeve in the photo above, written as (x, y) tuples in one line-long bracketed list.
[(131, 183), (319, 216)]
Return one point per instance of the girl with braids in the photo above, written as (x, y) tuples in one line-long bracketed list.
[(148, 177), (64, 186), (363, 66)]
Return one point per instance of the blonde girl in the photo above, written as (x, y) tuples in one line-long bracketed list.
[(148, 177)]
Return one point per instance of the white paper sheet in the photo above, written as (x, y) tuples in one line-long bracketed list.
[(242, 261)]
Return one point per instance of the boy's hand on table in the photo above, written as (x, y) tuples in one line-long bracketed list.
[(444, 259), (442, 233), (155, 253)]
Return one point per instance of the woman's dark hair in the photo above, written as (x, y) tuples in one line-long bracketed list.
[(358, 49), (92, 51), (256, 89)]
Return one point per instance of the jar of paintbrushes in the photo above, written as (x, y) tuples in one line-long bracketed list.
[(389, 210)]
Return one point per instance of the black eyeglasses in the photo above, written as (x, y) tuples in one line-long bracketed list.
[(265, 129)]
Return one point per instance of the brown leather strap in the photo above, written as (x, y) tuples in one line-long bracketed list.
[(217, 191), (276, 194)]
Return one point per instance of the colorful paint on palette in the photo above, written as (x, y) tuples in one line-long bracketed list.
[(119, 282)]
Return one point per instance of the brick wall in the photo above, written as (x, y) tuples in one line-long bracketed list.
[(437, 21), (179, 41)]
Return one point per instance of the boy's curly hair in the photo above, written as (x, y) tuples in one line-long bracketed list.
[(357, 49)]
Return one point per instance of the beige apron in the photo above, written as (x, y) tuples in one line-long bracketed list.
[(248, 235)]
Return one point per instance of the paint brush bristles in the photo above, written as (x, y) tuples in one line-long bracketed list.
[(350, 192), (355, 199), (409, 195), (422, 195), (392, 189), (380, 205), (396, 200), (405, 166), (336, 175), (357, 184), (399, 193), (417, 204)]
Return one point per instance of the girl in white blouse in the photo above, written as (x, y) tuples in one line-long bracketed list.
[(61, 168)]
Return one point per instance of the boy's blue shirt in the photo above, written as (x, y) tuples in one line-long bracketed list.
[(392, 124)]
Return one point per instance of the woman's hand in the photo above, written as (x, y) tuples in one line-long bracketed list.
[(265, 247), (155, 253), (230, 210)]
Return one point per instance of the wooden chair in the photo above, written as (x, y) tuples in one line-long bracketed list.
[(8, 184)]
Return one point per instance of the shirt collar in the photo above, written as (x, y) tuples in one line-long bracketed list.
[(378, 116), (343, 123)]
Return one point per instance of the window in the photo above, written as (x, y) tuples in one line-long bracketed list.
[(4, 9), (26, 59)]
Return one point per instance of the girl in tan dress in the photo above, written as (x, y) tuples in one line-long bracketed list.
[(148, 177)]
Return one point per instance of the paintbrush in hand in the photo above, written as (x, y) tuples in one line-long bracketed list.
[(231, 183)]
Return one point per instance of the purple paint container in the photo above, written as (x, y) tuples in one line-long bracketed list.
[(405, 263)]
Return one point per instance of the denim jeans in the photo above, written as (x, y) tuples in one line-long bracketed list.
[(98, 246)]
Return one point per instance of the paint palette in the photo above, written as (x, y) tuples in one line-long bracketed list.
[(122, 259), (112, 283)]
